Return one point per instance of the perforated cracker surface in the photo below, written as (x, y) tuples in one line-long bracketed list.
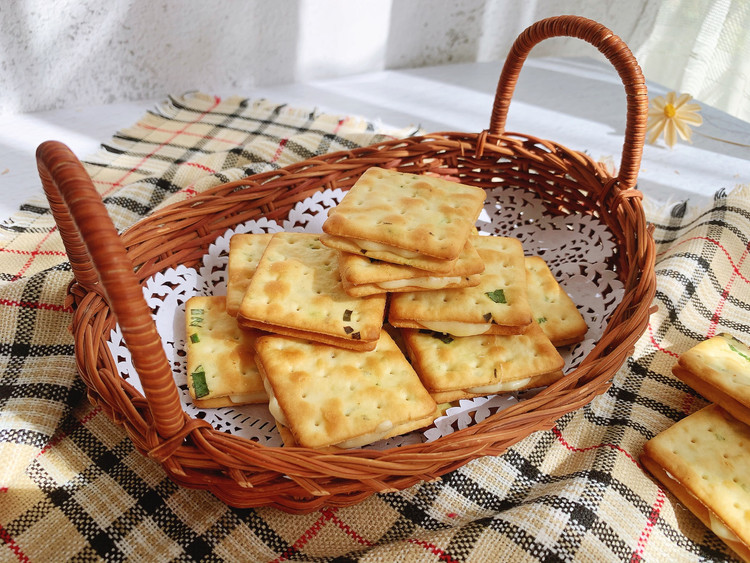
[(417, 213), (245, 252), (445, 363), (220, 355), (329, 395), (297, 285), (500, 298)]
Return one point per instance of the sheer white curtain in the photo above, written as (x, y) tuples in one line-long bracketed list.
[(702, 47)]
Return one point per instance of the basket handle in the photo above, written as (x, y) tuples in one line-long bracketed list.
[(98, 256), (616, 51)]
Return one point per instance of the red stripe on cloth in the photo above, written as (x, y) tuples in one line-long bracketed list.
[(33, 305), (717, 243), (309, 534), (650, 522), (725, 294), (189, 192), (435, 550), (34, 254), (119, 182), (339, 124), (349, 531), (564, 442), (279, 150), (687, 403), (196, 165), (65, 433), (657, 345), (12, 545), (190, 134)]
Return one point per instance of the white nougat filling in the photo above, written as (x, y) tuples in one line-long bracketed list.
[(716, 525), (456, 328), (378, 247), (500, 387), (242, 398), (380, 432), (429, 282)]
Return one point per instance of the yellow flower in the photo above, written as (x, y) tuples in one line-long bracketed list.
[(672, 116)]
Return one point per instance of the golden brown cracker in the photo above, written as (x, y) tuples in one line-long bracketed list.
[(329, 396), (704, 460), (220, 357), (551, 307), (366, 276), (245, 251), (408, 213), (482, 365), (719, 369), (498, 305), (296, 290)]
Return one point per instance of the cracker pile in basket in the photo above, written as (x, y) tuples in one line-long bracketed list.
[(366, 331)]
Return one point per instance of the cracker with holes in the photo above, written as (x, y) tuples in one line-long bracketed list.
[(296, 291), (327, 396), (473, 366), (366, 276), (704, 460), (719, 369), (220, 356), (415, 220), (498, 305), (245, 251), (551, 307)]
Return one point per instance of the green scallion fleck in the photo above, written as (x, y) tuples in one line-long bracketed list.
[(348, 315), (194, 338), (734, 349), (541, 320), (443, 337), (199, 382), (498, 296)]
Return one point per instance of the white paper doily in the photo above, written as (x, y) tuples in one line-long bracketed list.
[(577, 249)]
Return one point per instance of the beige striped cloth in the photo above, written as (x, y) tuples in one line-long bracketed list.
[(72, 486)]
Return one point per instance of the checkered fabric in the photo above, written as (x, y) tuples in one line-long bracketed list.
[(74, 488)]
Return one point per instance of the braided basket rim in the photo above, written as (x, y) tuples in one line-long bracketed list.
[(245, 474)]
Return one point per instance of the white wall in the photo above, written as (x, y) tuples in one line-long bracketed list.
[(63, 53)]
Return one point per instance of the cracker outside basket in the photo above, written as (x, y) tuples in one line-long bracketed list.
[(110, 269)]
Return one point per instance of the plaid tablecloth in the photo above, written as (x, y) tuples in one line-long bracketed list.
[(72, 487)]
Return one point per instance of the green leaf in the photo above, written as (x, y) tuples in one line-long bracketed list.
[(199, 382), (498, 296)]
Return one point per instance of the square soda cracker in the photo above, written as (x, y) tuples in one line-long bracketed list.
[(498, 305), (297, 291), (407, 214), (704, 460), (551, 307), (367, 276), (220, 356), (719, 369), (245, 251), (329, 396), (471, 366)]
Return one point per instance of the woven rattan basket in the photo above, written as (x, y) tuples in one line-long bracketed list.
[(110, 269)]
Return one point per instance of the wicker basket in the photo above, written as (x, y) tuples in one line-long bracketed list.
[(110, 268)]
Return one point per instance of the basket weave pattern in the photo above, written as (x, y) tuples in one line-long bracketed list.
[(110, 269)]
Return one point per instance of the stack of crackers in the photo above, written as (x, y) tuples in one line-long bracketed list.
[(704, 459), (368, 330)]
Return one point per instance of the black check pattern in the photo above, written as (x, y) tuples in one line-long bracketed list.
[(576, 492)]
